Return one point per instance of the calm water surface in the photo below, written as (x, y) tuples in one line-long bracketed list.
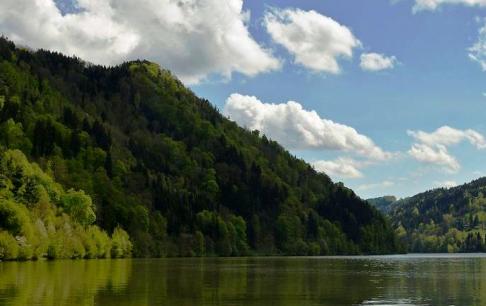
[(379, 280)]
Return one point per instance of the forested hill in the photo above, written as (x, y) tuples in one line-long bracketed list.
[(443, 220), (383, 204), (168, 168)]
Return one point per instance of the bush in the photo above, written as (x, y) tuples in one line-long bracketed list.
[(121, 245), (79, 206), (200, 244), (15, 218), (26, 251), (314, 249), (9, 248), (102, 241), (28, 212)]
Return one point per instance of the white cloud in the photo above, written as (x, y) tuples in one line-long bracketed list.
[(192, 38), (437, 155), (431, 147), (447, 136), (377, 62), (384, 184), (297, 128), (315, 40), (340, 168), (445, 184), (477, 52), (431, 5)]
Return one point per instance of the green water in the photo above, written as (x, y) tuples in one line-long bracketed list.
[(387, 280)]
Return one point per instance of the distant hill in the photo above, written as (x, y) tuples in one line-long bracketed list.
[(167, 167), (383, 203), (444, 219)]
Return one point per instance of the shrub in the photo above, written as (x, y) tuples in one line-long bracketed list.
[(15, 218), (25, 249), (101, 241), (79, 206), (121, 245), (9, 248)]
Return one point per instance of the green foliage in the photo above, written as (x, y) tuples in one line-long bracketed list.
[(120, 244), (97, 243), (9, 248), (384, 204), (33, 209), (443, 220), (222, 236), (79, 206), (12, 136), (200, 244), (14, 218), (165, 165)]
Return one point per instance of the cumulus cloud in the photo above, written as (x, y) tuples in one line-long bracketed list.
[(432, 147), (447, 136), (477, 52), (316, 41), (437, 155), (340, 168), (297, 128), (431, 5), (377, 62), (192, 38)]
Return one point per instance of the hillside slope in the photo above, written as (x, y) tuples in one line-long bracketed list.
[(443, 220), (38, 219), (169, 168), (383, 204)]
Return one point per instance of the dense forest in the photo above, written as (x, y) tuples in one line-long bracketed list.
[(148, 157), (384, 204), (443, 220), (40, 219)]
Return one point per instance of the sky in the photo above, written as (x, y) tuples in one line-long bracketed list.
[(387, 96)]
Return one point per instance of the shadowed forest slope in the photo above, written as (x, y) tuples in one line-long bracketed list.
[(167, 167)]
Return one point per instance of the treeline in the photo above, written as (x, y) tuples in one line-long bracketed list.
[(167, 167), (443, 220), (471, 242), (39, 219)]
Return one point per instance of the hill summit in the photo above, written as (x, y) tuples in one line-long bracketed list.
[(168, 168)]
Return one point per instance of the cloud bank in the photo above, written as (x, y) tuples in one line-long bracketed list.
[(193, 38), (432, 5), (432, 148), (437, 155), (448, 136), (341, 167), (296, 128)]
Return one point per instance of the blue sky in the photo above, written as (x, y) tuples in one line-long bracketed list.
[(414, 122), (435, 84)]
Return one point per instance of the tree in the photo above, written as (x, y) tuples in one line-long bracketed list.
[(79, 206), (121, 245)]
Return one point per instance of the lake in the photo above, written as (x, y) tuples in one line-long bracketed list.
[(368, 280)]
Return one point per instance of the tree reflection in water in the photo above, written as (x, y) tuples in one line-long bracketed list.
[(393, 280)]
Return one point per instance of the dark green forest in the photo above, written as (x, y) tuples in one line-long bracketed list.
[(165, 166), (384, 204), (442, 220)]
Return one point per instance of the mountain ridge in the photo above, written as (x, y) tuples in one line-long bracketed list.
[(165, 165), (442, 219)]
